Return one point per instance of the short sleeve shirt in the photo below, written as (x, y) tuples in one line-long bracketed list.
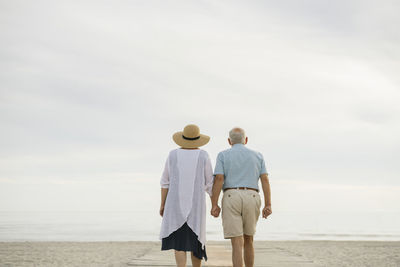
[(241, 166)]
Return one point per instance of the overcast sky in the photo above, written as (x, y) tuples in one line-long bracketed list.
[(92, 91)]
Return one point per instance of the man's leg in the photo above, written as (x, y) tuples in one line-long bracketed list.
[(180, 258), (251, 213), (248, 251), (237, 251), (232, 223)]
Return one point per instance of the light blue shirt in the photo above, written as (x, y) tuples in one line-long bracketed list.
[(241, 166)]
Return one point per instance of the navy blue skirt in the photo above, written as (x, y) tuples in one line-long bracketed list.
[(184, 239)]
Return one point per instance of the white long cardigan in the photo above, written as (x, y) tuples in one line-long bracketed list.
[(188, 174)]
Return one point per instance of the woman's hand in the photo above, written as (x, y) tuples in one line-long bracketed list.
[(162, 210)]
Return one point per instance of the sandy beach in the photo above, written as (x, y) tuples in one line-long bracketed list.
[(268, 253)]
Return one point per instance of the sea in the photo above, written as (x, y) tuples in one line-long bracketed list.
[(134, 225)]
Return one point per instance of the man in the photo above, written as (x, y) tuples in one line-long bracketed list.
[(237, 172)]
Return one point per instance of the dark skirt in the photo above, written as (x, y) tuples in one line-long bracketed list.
[(184, 239)]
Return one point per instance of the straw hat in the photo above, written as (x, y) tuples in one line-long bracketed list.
[(190, 137)]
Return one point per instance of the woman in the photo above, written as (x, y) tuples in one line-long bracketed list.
[(187, 176)]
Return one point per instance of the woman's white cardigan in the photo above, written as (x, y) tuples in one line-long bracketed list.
[(188, 174)]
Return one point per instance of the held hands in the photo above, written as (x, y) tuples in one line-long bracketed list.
[(266, 211), (215, 210)]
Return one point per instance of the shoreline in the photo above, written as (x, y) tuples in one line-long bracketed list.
[(148, 253), (208, 241)]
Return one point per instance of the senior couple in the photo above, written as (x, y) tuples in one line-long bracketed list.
[(188, 175)]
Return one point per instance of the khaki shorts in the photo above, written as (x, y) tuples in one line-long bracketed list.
[(240, 212)]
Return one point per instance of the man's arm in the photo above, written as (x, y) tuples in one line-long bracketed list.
[(164, 193), (216, 190), (267, 195)]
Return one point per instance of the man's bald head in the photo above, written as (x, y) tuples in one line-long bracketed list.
[(237, 136)]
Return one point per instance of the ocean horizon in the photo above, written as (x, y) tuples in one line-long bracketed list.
[(19, 226)]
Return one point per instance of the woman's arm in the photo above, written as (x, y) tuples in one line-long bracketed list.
[(164, 186), (164, 193), (209, 177)]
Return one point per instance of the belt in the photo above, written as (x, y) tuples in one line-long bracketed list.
[(242, 188)]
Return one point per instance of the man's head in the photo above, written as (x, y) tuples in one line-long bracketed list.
[(237, 136)]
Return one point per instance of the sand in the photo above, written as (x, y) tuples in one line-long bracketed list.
[(268, 253)]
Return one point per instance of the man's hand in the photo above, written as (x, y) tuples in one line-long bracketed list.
[(216, 190), (161, 210), (267, 195), (266, 211), (215, 210)]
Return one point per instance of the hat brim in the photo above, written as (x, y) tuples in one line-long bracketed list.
[(180, 141)]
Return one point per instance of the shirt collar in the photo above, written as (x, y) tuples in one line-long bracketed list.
[(238, 145)]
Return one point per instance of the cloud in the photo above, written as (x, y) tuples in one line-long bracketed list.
[(91, 88)]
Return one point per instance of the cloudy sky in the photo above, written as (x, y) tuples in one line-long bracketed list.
[(92, 91)]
